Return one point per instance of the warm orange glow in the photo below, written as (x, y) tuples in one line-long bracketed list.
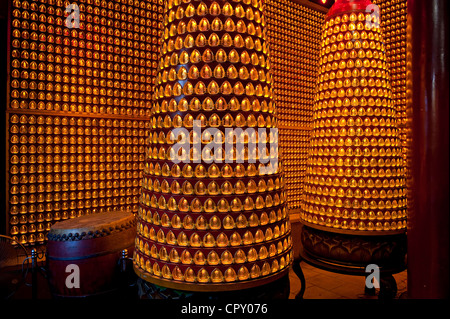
[(79, 103), (220, 221), (355, 175)]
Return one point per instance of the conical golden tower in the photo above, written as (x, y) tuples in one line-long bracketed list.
[(212, 212), (355, 179)]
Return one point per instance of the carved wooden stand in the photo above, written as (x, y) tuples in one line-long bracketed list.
[(276, 290), (350, 255)]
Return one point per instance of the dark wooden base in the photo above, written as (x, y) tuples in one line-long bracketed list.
[(276, 290), (350, 255)]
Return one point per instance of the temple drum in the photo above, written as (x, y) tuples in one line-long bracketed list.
[(84, 254)]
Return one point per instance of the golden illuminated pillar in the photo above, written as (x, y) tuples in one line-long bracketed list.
[(354, 201), (212, 211)]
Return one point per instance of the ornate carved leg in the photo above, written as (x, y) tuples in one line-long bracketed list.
[(369, 291), (388, 287), (299, 272)]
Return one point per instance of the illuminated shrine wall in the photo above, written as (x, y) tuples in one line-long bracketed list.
[(294, 37), (79, 99), (393, 23)]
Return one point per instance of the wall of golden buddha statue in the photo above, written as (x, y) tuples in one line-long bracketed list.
[(79, 102)]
